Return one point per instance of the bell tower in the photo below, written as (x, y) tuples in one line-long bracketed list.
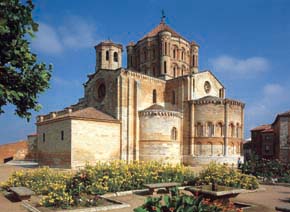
[(108, 55)]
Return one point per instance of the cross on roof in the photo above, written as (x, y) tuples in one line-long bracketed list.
[(163, 16)]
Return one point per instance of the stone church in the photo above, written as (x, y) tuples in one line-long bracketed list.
[(161, 107)]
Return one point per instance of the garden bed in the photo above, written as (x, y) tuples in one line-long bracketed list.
[(65, 190), (71, 189), (104, 205)]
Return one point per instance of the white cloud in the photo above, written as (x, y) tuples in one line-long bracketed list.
[(273, 90), (76, 33), (235, 67), (271, 102), (47, 40)]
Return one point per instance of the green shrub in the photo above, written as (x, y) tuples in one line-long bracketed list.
[(223, 175), (267, 169), (66, 189), (177, 202)]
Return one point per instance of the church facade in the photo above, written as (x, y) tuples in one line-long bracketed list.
[(161, 107)]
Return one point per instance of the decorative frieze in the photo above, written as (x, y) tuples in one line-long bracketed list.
[(159, 113)]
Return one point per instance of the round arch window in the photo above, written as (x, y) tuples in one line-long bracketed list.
[(101, 91), (207, 87)]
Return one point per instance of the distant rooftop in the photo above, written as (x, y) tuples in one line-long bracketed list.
[(262, 127)]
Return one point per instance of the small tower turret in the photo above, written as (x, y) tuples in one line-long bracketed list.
[(130, 55), (194, 57), (108, 55), (165, 37)]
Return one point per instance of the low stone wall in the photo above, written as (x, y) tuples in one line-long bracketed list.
[(17, 151)]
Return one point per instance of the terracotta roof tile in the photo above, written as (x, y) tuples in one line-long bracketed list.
[(262, 127), (210, 98), (268, 130), (89, 112), (162, 27), (155, 107)]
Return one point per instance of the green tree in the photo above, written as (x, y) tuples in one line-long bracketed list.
[(22, 78)]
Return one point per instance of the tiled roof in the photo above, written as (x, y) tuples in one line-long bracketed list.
[(159, 28), (155, 107), (268, 130), (287, 113), (89, 112), (262, 127), (210, 98)]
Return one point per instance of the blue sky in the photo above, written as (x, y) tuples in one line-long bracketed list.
[(245, 44)]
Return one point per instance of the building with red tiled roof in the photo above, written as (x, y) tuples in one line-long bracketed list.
[(161, 27), (161, 107), (272, 141)]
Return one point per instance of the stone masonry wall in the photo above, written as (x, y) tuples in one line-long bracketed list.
[(110, 101), (135, 93), (198, 87), (148, 56), (94, 141), (157, 141), (52, 150), (284, 139)]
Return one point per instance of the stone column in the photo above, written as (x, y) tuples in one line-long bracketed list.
[(111, 58), (192, 127), (137, 87), (226, 121)]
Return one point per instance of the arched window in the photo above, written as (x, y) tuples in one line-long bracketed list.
[(238, 148), (220, 149), (165, 67), (198, 149), (238, 130), (209, 149), (174, 71), (107, 55), (154, 96), (165, 48), (220, 130), (182, 54), (221, 93), (153, 54), (199, 131), (115, 56), (174, 53), (193, 60), (233, 149), (232, 130), (173, 97), (210, 129), (182, 70), (173, 134)]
